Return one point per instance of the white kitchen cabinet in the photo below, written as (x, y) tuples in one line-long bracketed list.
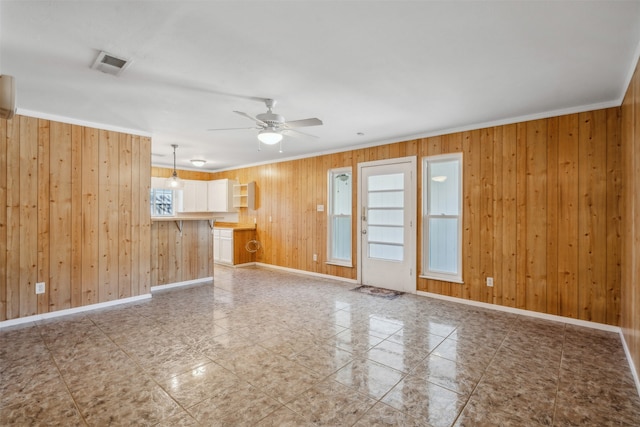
[(194, 196), (157, 182), (220, 195), (223, 245)]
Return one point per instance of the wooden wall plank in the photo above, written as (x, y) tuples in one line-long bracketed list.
[(568, 204), (90, 216), (136, 206), (13, 219), (552, 216), (60, 217), (508, 231), (474, 211), (4, 171), (467, 223), (155, 254), (203, 251), (76, 220), (144, 265), (591, 220), (497, 188), (43, 213), (108, 216), (521, 215), (125, 219), (28, 215), (614, 216), (486, 213), (536, 211), (181, 260)]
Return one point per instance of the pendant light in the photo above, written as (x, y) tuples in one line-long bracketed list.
[(174, 181)]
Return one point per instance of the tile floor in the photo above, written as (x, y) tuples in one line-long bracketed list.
[(268, 348)]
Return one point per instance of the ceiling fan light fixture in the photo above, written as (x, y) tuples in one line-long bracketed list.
[(269, 136), (198, 162)]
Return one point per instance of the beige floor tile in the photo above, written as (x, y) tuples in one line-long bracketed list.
[(330, 403), (382, 415), (368, 377)]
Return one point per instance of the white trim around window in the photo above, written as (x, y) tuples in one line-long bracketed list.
[(339, 213), (442, 217)]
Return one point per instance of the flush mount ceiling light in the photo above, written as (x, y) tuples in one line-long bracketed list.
[(439, 178), (269, 136), (174, 181), (198, 162)]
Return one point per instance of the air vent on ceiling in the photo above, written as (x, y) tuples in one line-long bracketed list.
[(110, 64)]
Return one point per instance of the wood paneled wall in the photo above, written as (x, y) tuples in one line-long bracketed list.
[(73, 214), (178, 256), (541, 212), (631, 219)]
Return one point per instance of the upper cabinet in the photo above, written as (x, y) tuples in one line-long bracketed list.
[(221, 195), (158, 182), (202, 196), (194, 196)]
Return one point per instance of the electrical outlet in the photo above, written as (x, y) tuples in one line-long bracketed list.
[(315, 257), (40, 288), (490, 281)]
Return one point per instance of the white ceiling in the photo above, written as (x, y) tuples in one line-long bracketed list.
[(388, 69)]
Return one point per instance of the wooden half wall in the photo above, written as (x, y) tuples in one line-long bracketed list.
[(74, 213), (542, 212), (631, 219)]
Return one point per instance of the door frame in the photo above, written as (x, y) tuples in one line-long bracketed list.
[(411, 247)]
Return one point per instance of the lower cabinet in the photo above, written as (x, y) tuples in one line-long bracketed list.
[(229, 246), (223, 245)]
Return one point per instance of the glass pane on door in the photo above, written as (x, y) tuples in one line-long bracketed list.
[(385, 216)]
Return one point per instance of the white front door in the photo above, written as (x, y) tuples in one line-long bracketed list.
[(387, 207)]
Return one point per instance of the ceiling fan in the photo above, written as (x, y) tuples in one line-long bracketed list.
[(271, 126)]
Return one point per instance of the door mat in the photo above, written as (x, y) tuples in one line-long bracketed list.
[(378, 292)]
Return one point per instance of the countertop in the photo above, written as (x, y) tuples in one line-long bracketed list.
[(185, 218), (234, 226)]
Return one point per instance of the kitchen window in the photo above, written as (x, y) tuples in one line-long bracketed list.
[(162, 202)]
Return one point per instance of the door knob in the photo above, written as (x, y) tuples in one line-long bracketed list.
[(364, 231)]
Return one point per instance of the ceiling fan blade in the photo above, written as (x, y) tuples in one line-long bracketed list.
[(232, 129), (300, 133), (303, 123), (260, 122)]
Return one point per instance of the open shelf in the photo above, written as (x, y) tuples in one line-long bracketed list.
[(244, 195)]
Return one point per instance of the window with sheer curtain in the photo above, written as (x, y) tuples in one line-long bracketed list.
[(442, 217), (339, 217)]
